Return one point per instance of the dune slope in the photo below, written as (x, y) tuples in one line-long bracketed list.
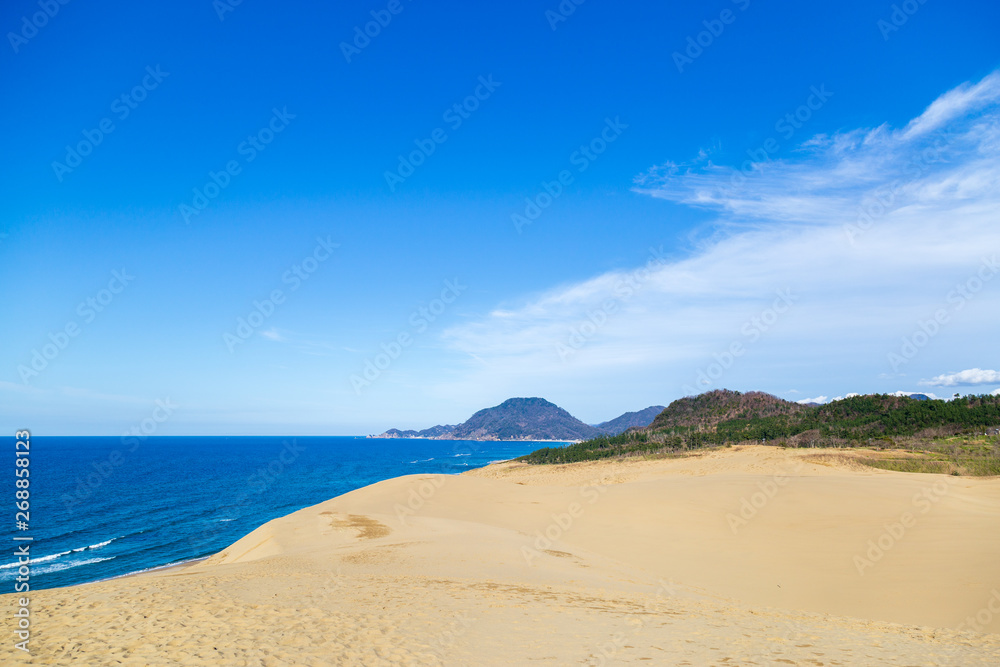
[(750, 556)]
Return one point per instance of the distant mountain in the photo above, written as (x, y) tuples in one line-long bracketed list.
[(523, 419), (639, 419), (431, 433)]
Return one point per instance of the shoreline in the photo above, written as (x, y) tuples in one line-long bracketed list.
[(158, 569), (392, 437)]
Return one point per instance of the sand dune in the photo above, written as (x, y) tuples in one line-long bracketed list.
[(744, 556)]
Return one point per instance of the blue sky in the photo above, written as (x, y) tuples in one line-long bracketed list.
[(248, 154)]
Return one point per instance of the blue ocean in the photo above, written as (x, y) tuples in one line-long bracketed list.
[(104, 507)]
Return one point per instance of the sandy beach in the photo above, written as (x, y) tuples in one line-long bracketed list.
[(740, 556)]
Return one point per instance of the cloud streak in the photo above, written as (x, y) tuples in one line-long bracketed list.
[(870, 227), (970, 377)]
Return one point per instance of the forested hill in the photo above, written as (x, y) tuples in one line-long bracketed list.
[(729, 417), (707, 410)]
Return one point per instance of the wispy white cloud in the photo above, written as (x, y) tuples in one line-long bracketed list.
[(945, 155), (303, 343), (954, 104), (272, 334), (869, 228), (972, 376), (818, 399)]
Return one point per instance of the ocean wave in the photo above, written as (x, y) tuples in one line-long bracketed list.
[(96, 546), (54, 567), (41, 559), (423, 460), (51, 557)]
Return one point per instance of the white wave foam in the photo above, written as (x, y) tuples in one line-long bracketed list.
[(51, 557), (96, 546), (54, 567), (42, 559)]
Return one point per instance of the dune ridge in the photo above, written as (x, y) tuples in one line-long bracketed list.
[(745, 555)]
